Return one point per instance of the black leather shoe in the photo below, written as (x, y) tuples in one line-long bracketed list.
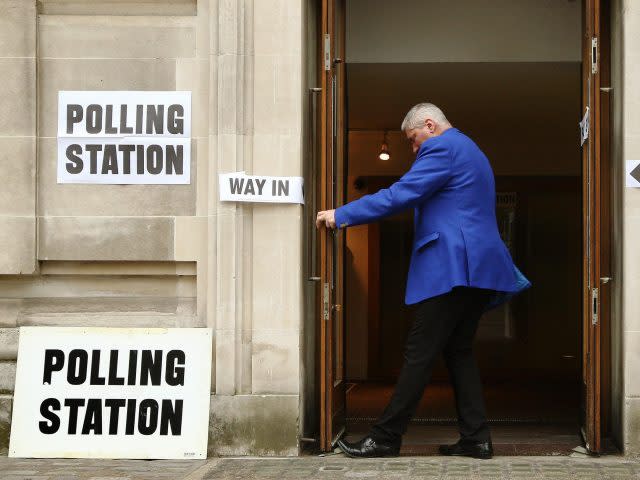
[(475, 450), (368, 447)]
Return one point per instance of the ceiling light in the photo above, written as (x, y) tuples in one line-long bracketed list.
[(384, 149)]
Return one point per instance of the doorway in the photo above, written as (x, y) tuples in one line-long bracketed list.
[(520, 99)]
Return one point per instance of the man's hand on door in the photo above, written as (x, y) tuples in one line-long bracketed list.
[(326, 217)]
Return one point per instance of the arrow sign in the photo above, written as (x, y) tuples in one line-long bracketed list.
[(632, 169)]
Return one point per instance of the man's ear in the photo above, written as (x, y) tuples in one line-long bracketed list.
[(431, 125)]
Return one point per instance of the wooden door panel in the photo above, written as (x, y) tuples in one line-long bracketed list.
[(592, 304), (331, 311)]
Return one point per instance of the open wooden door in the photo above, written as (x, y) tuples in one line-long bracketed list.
[(331, 311), (595, 158)]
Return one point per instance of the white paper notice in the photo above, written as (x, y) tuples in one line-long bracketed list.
[(632, 173), (239, 187), (124, 137)]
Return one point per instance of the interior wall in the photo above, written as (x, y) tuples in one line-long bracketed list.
[(523, 115), (520, 101), (492, 31)]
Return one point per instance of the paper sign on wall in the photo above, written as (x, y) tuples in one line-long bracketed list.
[(112, 393), (632, 173), (125, 137), (239, 187)]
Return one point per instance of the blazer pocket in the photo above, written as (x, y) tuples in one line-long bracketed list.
[(426, 240)]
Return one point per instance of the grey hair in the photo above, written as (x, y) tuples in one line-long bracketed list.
[(419, 113)]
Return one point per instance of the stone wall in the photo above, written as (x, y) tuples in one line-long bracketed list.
[(161, 255), (629, 149)]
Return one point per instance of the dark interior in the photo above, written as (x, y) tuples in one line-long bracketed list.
[(523, 116)]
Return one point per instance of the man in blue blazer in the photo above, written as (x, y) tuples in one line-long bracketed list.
[(459, 267)]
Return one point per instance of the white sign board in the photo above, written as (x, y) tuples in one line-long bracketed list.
[(123, 137), (112, 393), (239, 187), (632, 173)]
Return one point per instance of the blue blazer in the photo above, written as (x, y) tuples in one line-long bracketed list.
[(456, 241)]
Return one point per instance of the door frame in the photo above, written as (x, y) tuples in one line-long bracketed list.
[(597, 221), (330, 311), (596, 341)]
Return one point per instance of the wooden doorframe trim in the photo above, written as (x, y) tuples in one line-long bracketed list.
[(606, 217), (598, 337), (322, 243), (329, 308), (602, 142)]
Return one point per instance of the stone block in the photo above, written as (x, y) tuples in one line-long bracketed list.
[(631, 31), (96, 74), (8, 343), (7, 376), (80, 36), (110, 200), (230, 94), (227, 155), (17, 245), (95, 299), (280, 112), (9, 311), (225, 366), (631, 363), (631, 427), (276, 254), (111, 321), (631, 109), (275, 154), (18, 96), (191, 238), (18, 170), (631, 281), (106, 238), (229, 27), (631, 141), (17, 28), (119, 7), (226, 270), (279, 29), (5, 422), (202, 170), (138, 293), (275, 365), (265, 425), (192, 74)]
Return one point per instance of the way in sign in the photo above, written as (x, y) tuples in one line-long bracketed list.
[(255, 186)]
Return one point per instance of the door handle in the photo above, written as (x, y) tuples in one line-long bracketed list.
[(605, 280), (311, 206)]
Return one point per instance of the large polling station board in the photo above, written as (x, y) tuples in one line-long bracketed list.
[(124, 137), (112, 393)]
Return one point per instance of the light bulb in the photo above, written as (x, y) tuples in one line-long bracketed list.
[(384, 152)]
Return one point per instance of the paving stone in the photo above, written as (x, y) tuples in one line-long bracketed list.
[(335, 467), (28, 477), (109, 478)]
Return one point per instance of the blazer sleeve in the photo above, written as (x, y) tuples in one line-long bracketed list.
[(429, 173)]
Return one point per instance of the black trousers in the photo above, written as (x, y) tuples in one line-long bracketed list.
[(444, 324)]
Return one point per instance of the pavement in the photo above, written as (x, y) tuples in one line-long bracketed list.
[(328, 467)]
